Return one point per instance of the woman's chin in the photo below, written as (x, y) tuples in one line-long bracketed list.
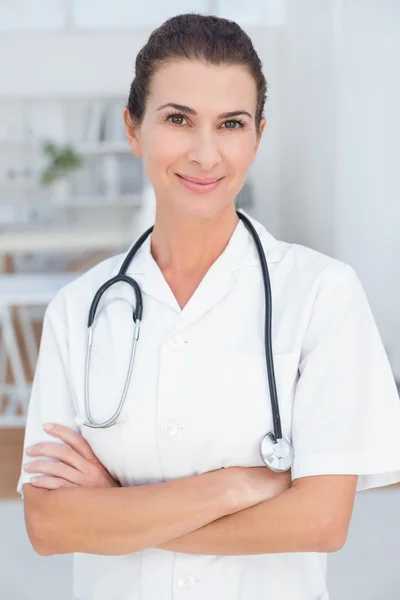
[(202, 206), (201, 209)]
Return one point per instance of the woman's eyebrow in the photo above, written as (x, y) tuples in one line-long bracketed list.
[(191, 111)]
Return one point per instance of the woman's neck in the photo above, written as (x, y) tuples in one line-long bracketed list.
[(185, 247)]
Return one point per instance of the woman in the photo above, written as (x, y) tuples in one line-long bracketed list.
[(175, 495)]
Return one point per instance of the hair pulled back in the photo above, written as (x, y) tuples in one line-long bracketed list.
[(208, 38)]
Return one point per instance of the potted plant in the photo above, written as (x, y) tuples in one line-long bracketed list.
[(63, 161)]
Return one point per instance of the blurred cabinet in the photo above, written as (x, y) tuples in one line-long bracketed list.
[(92, 127)]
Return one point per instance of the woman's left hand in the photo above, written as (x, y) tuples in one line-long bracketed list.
[(76, 463)]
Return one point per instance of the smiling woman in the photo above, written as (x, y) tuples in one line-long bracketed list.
[(175, 492), (199, 146)]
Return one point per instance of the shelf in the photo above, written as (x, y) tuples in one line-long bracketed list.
[(76, 201), (99, 202), (82, 147), (102, 147), (19, 142), (16, 187)]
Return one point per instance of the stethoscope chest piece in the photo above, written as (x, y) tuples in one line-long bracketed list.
[(277, 454)]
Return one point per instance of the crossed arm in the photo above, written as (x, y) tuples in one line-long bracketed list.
[(206, 514), (311, 516)]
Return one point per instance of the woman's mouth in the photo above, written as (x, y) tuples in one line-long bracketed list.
[(195, 186)]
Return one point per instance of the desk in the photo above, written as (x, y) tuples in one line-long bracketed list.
[(73, 238)]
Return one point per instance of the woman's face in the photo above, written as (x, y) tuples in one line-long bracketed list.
[(196, 138)]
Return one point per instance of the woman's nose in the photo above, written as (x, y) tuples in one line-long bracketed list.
[(205, 150)]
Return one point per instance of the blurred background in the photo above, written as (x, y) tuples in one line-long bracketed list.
[(72, 193)]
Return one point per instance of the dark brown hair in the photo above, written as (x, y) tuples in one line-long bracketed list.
[(191, 36)]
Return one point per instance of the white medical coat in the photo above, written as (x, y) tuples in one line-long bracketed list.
[(198, 400)]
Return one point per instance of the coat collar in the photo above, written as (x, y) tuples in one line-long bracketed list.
[(240, 253)]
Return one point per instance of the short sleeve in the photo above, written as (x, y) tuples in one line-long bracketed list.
[(51, 399), (346, 415)]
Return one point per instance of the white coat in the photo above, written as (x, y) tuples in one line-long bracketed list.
[(198, 400)]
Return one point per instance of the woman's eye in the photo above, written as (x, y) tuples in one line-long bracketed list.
[(235, 122), (176, 118)]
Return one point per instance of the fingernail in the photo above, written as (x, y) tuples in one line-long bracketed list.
[(34, 479), (29, 450), (27, 466), (48, 426)]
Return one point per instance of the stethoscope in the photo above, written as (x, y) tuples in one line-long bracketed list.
[(276, 450)]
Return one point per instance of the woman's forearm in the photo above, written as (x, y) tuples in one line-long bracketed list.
[(313, 515), (277, 525), (117, 521)]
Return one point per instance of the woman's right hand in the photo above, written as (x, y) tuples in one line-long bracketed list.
[(76, 465), (253, 485)]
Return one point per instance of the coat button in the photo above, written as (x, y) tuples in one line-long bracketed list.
[(171, 429), (186, 581), (175, 343)]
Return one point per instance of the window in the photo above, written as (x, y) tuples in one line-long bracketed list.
[(253, 12), (30, 15), (125, 14), (22, 15)]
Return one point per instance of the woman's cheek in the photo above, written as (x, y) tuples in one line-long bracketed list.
[(240, 151)]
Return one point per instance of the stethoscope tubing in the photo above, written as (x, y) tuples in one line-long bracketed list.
[(275, 449), (267, 327)]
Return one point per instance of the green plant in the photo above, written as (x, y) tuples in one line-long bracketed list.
[(63, 160)]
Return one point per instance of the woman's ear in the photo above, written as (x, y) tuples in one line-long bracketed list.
[(132, 133), (263, 122)]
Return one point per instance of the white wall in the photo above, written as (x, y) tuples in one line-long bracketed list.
[(266, 169), (367, 212), (308, 125), (340, 189), (61, 65)]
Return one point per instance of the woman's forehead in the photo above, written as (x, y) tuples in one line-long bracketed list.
[(203, 87)]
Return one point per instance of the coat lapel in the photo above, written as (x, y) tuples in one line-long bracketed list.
[(218, 282)]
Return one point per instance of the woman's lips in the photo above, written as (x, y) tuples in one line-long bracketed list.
[(200, 188)]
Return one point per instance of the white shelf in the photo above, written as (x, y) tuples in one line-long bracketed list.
[(81, 200), (83, 147), (102, 147), (17, 187), (98, 201), (20, 142)]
